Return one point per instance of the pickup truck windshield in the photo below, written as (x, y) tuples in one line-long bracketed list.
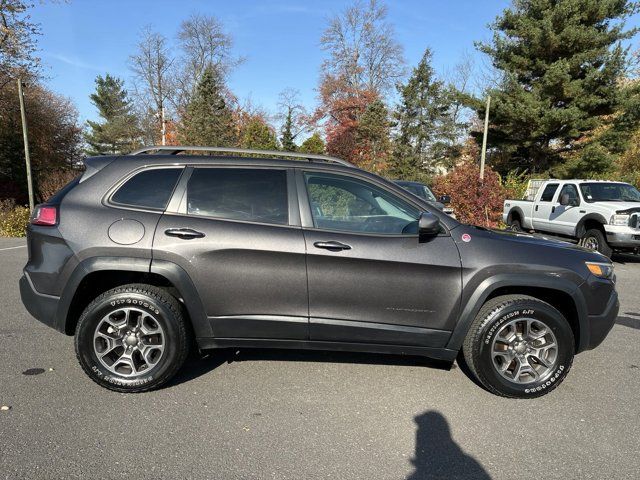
[(609, 192)]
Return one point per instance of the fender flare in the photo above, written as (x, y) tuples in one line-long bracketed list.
[(580, 230), (170, 271), (479, 296), (517, 210)]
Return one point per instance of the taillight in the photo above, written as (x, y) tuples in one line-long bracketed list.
[(44, 215)]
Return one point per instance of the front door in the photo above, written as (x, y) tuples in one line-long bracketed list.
[(566, 217), (234, 233), (370, 279)]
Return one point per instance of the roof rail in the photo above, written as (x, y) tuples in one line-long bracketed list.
[(175, 149)]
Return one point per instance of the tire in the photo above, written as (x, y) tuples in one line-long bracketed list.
[(502, 317), (146, 358), (515, 225), (594, 239)]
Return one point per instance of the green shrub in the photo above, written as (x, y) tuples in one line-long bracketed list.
[(515, 184), (13, 219)]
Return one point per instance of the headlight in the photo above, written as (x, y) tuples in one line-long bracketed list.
[(620, 220), (600, 270)]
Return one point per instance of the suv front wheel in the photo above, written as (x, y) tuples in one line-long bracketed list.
[(132, 338), (519, 346)]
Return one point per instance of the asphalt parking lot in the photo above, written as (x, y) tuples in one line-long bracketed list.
[(307, 415)]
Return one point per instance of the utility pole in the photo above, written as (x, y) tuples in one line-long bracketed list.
[(25, 136), (484, 138)]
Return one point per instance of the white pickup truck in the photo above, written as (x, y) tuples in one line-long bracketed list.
[(601, 215)]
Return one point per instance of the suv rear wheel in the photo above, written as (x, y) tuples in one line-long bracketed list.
[(132, 338), (519, 347)]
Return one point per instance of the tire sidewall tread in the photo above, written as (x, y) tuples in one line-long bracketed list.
[(501, 310), (170, 315)]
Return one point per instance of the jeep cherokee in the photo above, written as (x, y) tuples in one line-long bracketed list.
[(147, 254)]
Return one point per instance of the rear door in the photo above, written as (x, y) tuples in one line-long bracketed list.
[(235, 231), (370, 279), (543, 206)]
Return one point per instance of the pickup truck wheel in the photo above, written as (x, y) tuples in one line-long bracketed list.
[(594, 239), (515, 225), (132, 338), (519, 347)]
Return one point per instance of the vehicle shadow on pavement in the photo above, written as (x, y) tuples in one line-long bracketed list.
[(631, 322), (438, 456), (624, 258), (195, 367)]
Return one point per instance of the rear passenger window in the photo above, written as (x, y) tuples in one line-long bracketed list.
[(149, 189), (549, 192), (252, 195)]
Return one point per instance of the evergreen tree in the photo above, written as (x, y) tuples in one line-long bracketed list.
[(257, 134), (561, 61), (286, 133), (373, 135), (313, 144), (426, 128), (118, 131), (208, 120)]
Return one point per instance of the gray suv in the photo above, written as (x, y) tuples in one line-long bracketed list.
[(147, 255)]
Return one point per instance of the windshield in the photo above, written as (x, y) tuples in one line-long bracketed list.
[(421, 191), (430, 196), (609, 192)]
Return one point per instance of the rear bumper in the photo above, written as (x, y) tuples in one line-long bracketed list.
[(600, 325), (42, 307)]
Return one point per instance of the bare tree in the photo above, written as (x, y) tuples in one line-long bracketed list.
[(152, 64), (459, 81), (362, 47), (204, 43), (289, 106), (17, 41)]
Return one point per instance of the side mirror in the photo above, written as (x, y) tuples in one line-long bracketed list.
[(446, 199), (564, 199), (428, 225)]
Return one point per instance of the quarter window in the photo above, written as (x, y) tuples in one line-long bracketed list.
[(347, 204), (252, 195), (148, 189), (549, 192)]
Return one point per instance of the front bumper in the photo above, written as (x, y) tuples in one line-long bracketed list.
[(42, 307), (622, 236), (600, 325)]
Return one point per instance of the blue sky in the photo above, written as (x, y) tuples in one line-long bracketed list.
[(280, 39)]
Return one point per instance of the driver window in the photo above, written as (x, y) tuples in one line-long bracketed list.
[(350, 205), (572, 191)]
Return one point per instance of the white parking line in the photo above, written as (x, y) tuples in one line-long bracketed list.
[(13, 248)]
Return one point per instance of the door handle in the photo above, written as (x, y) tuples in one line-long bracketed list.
[(332, 246), (184, 233), (553, 209), (537, 207)]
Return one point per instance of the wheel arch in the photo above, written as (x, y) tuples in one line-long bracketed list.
[(96, 275), (591, 220), (515, 212), (563, 295)]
